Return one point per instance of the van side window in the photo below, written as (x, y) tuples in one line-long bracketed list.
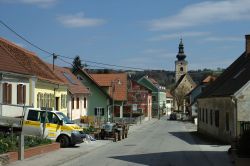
[(33, 115), (52, 118)]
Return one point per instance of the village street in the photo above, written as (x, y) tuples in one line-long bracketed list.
[(158, 142)]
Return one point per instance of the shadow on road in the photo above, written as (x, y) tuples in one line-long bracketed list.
[(194, 138), (178, 158)]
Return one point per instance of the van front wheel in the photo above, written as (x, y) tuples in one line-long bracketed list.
[(64, 141)]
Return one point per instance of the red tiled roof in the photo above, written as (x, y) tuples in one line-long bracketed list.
[(209, 79), (28, 61), (75, 86), (8, 63), (105, 80), (168, 94)]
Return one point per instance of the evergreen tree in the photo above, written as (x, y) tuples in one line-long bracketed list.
[(77, 63)]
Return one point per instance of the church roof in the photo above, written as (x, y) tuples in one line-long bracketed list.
[(182, 78), (181, 55)]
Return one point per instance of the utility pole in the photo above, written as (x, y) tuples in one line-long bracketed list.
[(54, 57)]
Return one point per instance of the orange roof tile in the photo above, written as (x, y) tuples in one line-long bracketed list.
[(168, 94), (75, 85), (120, 89), (29, 62), (209, 79)]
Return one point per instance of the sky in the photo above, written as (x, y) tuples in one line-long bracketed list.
[(135, 33)]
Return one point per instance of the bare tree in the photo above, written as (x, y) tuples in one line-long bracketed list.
[(179, 95)]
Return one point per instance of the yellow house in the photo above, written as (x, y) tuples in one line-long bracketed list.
[(45, 88)]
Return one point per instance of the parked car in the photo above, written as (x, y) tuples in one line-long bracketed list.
[(173, 116)]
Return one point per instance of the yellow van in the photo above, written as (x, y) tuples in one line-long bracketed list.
[(53, 125)]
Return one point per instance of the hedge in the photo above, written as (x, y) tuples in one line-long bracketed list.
[(9, 143)]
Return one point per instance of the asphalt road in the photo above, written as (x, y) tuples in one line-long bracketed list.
[(159, 143)]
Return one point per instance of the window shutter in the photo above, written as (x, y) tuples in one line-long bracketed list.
[(72, 103), (5, 92), (9, 94), (24, 94), (77, 102), (18, 94), (85, 102)]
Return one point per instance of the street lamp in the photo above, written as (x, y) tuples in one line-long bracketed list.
[(113, 82)]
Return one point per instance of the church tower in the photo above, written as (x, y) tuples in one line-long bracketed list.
[(180, 64)]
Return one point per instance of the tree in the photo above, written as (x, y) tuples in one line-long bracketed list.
[(77, 63), (179, 96)]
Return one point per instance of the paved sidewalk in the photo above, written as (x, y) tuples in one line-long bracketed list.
[(65, 154)]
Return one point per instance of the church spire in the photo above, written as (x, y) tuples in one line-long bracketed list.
[(181, 55)]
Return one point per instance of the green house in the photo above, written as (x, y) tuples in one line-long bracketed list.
[(99, 100), (158, 95)]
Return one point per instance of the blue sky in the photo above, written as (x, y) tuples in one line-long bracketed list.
[(136, 33)]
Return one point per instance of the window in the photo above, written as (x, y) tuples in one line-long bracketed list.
[(38, 100), (85, 102), (72, 103), (203, 119), (63, 101), (227, 121), (21, 94), (77, 102), (211, 117), (181, 68), (52, 118), (168, 101), (154, 98), (206, 117), (217, 114), (33, 115), (99, 111), (7, 93)]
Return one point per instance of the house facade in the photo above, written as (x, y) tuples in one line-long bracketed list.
[(41, 87), (158, 95), (77, 94), (116, 86), (139, 97), (98, 99), (169, 102), (224, 104)]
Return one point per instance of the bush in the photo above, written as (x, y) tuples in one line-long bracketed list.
[(89, 130), (8, 145)]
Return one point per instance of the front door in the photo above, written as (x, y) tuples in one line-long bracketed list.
[(57, 103)]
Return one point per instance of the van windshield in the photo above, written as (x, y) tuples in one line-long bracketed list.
[(64, 118)]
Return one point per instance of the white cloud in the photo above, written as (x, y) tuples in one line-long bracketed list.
[(204, 13), (79, 20), (224, 39), (40, 3), (178, 35)]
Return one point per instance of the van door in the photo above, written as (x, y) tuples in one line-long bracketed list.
[(53, 127), (32, 123)]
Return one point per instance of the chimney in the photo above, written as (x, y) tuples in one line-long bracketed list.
[(247, 44)]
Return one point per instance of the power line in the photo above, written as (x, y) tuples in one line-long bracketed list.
[(23, 38), (51, 54)]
